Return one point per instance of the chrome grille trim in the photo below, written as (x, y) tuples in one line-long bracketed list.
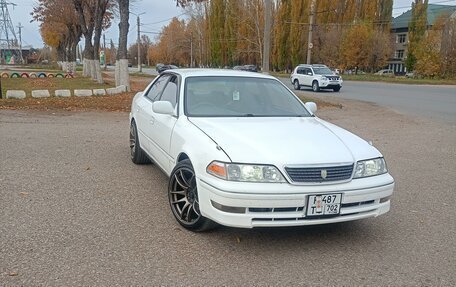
[(314, 174)]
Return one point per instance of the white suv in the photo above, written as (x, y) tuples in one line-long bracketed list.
[(315, 76)]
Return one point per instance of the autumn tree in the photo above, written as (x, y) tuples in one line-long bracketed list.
[(448, 49), (356, 46), (416, 31), (61, 33), (94, 16), (300, 12), (382, 48), (231, 32), (145, 44), (280, 55), (428, 50)]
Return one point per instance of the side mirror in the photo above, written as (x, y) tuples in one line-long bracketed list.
[(310, 74), (163, 107), (311, 106)]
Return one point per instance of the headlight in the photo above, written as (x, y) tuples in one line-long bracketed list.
[(245, 172), (370, 167), (324, 78)]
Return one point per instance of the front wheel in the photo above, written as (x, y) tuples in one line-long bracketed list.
[(296, 85), (315, 86), (183, 198)]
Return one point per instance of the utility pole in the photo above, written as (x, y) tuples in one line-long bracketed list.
[(112, 50), (191, 50), (139, 44), (312, 23), (20, 42), (267, 35), (105, 55)]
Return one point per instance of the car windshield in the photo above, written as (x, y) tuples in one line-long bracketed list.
[(322, 71), (220, 96)]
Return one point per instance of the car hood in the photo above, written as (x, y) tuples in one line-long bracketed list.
[(285, 141)]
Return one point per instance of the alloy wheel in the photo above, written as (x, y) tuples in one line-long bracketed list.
[(132, 140), (183, 195)]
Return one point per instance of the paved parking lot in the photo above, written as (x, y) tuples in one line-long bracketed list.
[(75, 211)]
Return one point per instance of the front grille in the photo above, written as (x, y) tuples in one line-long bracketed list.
[(276, 209), (320, 174), (333, 78)]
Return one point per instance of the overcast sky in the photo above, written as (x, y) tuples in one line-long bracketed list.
[(161, 11)]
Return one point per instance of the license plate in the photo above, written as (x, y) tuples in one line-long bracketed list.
[(324, 204)]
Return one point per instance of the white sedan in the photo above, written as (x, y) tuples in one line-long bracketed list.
[(242, 150)]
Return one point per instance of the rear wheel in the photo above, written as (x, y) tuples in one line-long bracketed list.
[(138, 156), (315, 86), (296, 85), (183, 198), (336, 89)]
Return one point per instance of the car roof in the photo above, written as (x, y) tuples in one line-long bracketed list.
[(217, 72), (313, 65)]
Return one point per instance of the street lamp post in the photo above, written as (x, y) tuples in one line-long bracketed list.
[(138, 42)]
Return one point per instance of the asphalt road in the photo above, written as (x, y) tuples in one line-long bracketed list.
[(429, 101), (74, 211)]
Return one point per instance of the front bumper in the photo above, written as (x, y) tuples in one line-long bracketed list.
[(330, 84), (248, 210)]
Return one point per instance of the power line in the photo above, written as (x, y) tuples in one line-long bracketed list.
[(166, 20)]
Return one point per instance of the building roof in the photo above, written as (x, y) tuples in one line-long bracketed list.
[(433, 12)]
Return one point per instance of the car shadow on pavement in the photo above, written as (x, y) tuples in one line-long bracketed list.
[(356, 232)]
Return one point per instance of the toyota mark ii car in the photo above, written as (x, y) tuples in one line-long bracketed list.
[(240, 149)]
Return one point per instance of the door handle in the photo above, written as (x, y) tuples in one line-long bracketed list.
[(152, 120)]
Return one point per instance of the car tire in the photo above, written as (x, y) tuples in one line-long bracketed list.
[(337, 89), (183, 198), (315, 86), (138, 156), (296, 85)]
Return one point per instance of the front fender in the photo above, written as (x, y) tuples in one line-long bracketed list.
[(200, 148)]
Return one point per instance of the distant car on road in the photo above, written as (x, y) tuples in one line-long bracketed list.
[(158, 66), (385, 72), (316, 76), (240, 149), (250, 68), (166, 67)]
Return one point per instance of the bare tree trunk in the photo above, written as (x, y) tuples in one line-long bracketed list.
[(100, 11), (122, 75), (88, 57), (87, 31)]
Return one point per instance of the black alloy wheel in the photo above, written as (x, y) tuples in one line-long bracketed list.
[(183, 198)]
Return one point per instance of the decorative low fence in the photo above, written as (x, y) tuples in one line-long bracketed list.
[(42, 75)]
